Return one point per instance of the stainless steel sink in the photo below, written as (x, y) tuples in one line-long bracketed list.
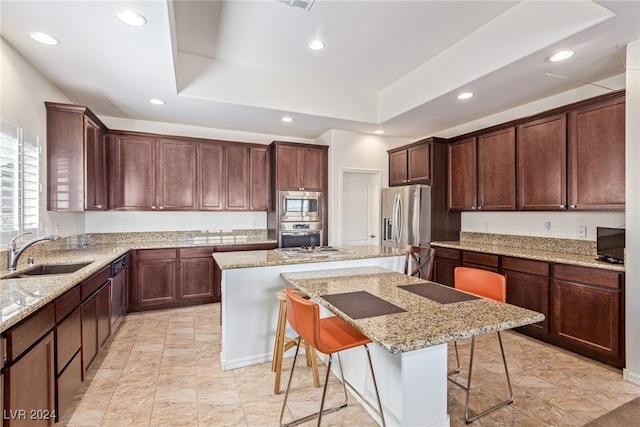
[(48, 269)]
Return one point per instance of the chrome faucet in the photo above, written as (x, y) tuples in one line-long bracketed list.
[(15, 252)]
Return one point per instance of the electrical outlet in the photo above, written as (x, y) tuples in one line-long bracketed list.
[(582, 231), (125, 225), (183, 225), (548, 230)]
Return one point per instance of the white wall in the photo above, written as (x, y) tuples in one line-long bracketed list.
[(632, 307), (349, 150), (24, 91)]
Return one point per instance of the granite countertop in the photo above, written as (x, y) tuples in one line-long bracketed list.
[(425, 323), (23, 296), (555, 251), (234, 260)]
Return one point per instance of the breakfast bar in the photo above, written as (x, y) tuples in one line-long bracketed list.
[(410, 321)]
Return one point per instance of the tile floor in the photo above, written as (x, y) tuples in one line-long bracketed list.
[(162, 369)]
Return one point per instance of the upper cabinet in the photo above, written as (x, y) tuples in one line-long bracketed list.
[(76, 159), (410, 164), (482, 172), (300, 166), (596, 164), (542, 159), (153, 173), (571, 158)]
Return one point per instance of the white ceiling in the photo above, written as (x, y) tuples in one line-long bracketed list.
[(395, 65)]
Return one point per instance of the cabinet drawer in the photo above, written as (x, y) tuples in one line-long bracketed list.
[(26, 333), (68, 339), (589, 276), (67, 384), (488, 260), (448, 253), (92, 284), (66, 303), (196, 252), (525, 266), (152, 254)]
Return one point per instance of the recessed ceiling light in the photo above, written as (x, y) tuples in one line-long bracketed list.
[(131, 17), (316, 45), (465, 95), (157, 101), (378, 132), (287, 119), (561, 56), (44, 38)]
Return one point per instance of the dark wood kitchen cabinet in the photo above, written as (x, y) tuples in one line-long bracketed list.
[(596, 164), (299, 166), (151, 173), (446, 261), (259, 179), (210, 177), (196, 273), (528, 287), (542, 160), (588, 311), (483, 261), (462, 172), (96, 312), (29, 370), (154, 279), (76, 159), (410, 164), (482, 172), (236, 163)]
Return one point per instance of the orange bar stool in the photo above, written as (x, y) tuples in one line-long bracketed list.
[(485, 284), (328, 335), (284, 343)]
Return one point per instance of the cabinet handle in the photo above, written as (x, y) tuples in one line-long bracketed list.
[(562, 206), (153, 207), (161, 207), (572, 206), (473, 208), (479, 207), (98, 206)]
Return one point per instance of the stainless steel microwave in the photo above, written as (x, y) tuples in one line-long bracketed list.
[(300, 205)]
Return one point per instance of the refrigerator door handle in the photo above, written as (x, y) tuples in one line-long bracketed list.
[(398, 214)]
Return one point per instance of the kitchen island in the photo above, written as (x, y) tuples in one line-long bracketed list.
[(410, 347), (250, 281)]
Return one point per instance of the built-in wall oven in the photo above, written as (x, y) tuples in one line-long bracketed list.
[(300, 206), (296, 234)]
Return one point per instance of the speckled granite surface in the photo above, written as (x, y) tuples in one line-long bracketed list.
[(233, 260), (564, 251), (426, 323), (21, 297)]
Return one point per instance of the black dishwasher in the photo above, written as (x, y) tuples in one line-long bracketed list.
[(118, 289)]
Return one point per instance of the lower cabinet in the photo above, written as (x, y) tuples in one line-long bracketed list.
[(480, 260), (96, 312), (528, 287), (446, 261), (30, 387), (69, 373), (587, 312), (196, 273)]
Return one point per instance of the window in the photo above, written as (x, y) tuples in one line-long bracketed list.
[(19, 181)]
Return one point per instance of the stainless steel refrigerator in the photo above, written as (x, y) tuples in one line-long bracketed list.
[(406, 216)]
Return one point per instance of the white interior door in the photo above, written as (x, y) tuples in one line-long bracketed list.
[(360, 216)]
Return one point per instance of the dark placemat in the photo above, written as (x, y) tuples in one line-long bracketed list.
[(439, 293), (362, 304)]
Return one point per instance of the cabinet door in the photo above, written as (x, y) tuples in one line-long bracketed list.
[(419, 164), (462, 175), (103, 306), (236, 164), (313, 168), (497, 170), (176, 175), (541, 152), (587, 317), (196, 277), (597, 156), (259, 179), (531, 292), (134, 173), (89, 331), (95, 167), (155, 272), (30, 386), (288, 168), (211, 174), (398, 168)]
